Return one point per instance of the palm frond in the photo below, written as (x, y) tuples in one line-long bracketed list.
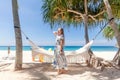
[(108, 33)]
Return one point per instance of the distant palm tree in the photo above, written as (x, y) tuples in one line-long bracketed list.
[(18, 37)]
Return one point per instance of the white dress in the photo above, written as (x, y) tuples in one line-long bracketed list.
[(61, 62)]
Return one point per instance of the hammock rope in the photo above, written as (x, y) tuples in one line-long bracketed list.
[(103, 28), (25, 35)]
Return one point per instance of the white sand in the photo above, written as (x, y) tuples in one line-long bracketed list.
[(37, 71), (27, 58), (107, 55)]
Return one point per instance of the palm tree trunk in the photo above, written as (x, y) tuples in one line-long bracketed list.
[(86, 31), (86, 28), (18, 59), (86, 21), (113, 24)]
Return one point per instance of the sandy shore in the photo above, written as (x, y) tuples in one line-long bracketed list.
[(4, 57), (107, 55), (39, 71)]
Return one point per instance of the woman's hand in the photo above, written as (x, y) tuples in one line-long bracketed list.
[(55, 32)]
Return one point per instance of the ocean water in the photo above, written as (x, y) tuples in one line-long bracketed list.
[(66, 48)]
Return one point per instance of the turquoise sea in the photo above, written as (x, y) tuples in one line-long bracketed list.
[(66, 48)]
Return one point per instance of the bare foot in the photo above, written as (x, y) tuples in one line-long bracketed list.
[(60, 72), (64, 71)]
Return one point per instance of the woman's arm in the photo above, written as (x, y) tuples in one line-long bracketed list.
[(61, 45)]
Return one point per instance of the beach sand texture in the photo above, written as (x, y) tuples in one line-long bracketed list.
[(44, 71)]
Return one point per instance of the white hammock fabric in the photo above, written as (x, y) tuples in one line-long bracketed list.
[(77, 56)]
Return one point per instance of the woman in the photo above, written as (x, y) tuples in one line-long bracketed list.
[(60, 58)]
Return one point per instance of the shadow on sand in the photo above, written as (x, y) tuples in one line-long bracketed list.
[(44, 71)]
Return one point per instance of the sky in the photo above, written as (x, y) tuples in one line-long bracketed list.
[(32, 24)]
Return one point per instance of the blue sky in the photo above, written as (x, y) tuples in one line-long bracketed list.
[(32, 24)]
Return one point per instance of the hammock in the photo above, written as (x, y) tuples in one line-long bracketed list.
[(72, 57), (77, 56)]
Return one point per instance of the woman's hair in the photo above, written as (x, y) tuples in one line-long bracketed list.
[(62, 32)]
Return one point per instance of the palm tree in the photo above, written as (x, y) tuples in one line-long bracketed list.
[(113, 25), (115, 6), (18, 59), (71, 12)]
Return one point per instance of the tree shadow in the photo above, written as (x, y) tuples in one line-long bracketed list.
[(3, 66), (108, 73), (40, 71), (36, 70)]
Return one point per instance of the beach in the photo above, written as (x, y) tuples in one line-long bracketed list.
[(35, 70), (46, 29)]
